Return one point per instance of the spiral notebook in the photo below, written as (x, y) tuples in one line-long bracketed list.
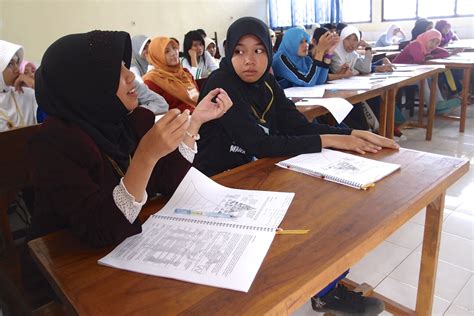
[(206, 234), (351, 170)]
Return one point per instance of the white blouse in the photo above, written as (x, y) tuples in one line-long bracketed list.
[(127, 204)]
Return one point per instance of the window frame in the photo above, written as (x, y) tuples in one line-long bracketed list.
[(456, 15), (358, 22)]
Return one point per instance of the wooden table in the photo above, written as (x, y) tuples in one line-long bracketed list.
[(466, 65), (388, 91), (418, 76), (345, 225), (466, 44)]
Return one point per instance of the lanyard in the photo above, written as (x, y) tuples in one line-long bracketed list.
[(262, 117)]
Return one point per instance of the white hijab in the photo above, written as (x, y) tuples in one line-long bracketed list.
[(389, 37), (7, 51), (16, 109), (347, 58)]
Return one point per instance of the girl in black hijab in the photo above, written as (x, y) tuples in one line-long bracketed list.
[(97, 154), (263, 122)]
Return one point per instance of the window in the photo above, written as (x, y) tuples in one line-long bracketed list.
[(465, 7), (399, 10), (441, 8), (412, 9), (357, 11), (288, 13)]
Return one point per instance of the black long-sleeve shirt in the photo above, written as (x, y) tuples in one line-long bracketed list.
[(239, 136)]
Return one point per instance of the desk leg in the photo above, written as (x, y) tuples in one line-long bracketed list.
[(429, 256), (421, 101), (390, 112), (383, 115), (432, 106), (465, 92)]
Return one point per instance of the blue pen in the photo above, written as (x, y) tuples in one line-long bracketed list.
[(185, 211)]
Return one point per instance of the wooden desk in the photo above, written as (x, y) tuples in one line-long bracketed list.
[(418, 76), (466, 44), (466, 65), (357, 96), (345, 225)]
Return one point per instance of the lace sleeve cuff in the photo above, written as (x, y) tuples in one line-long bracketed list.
[(187, 152), (126, 202)]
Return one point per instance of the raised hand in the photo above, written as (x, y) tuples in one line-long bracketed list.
[(208, 110), (193, 56), (23, 81), (165, 136)]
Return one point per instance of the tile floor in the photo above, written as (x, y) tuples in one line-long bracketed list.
[(393, 267)]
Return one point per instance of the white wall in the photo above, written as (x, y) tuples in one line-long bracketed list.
[(35, 24), (464, 26)]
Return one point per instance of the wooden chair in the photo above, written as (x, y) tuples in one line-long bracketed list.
[(14, 171)]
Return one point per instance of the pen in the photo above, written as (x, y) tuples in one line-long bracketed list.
[(185, 211), (281, 231)]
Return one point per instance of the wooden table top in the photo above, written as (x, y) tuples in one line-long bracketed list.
[(466, 61), (344, 223)]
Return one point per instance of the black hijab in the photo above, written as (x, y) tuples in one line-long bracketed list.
[(419, 28), (238, 29), (241, 92), (78, 81)]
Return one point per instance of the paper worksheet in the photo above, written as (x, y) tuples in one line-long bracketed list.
[(363, 83), (338, 107), (207, 234), (305, 92)]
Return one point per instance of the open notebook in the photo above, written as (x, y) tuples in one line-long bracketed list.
[(339, 167), (206, 233)]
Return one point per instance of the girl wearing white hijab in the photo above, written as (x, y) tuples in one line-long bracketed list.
[(345, 54), (394, 35), (17, 108)]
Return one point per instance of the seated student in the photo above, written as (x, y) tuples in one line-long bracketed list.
[(293, 67), (394, 35), (211, 47), (264, 123), (417, 52), (168, 78), (98, 156), (139, 65), (272, 36), (28, 68), (323, 32), (447, 34), (196, 59), (17, 97), (421, 25), (345, 54)]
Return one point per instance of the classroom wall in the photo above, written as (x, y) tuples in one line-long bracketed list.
[(464, 26), (35, 24)]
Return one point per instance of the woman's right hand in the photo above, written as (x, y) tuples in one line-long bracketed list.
[(193, 56), (327, 40), (164, 137), (348, 142), (345, 71), (359, 141)]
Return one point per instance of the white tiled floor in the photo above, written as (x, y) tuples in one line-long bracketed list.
[(393, 267)]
